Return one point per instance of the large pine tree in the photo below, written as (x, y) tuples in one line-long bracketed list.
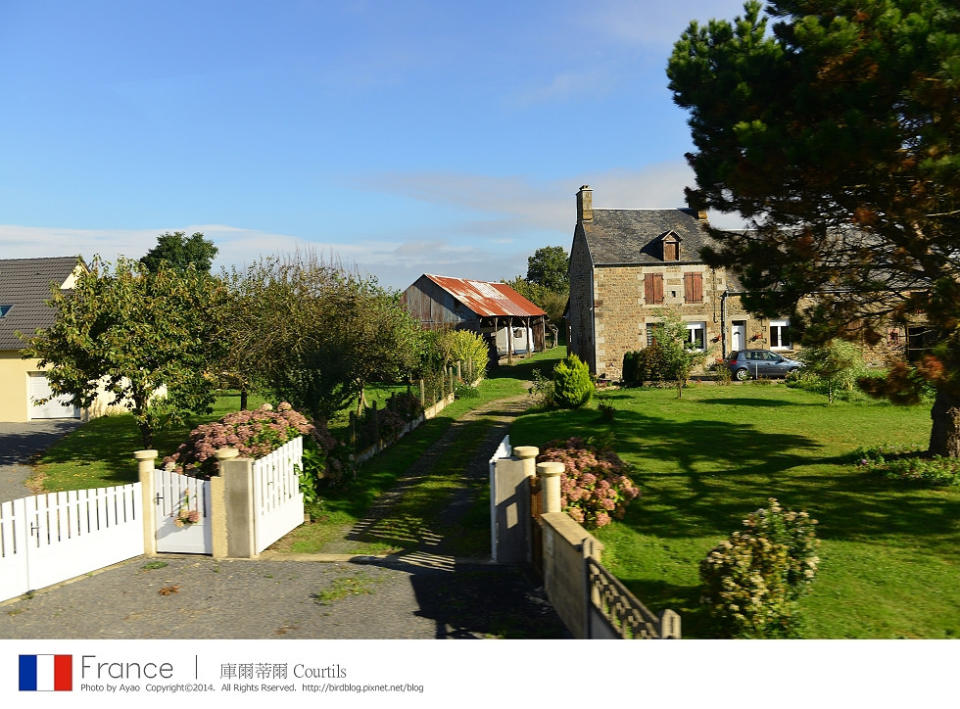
[(834, 132)]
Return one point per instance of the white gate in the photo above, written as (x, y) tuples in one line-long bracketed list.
[(277, 500), (45, 539), (182, 513)]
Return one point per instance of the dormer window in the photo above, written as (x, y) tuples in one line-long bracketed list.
[(4, 309), (671, 246)]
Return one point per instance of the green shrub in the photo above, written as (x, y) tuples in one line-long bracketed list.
[(721, 371), (899, 463), (542, 389), (753, 579), (646, 365), (572, 387), (832, 369)]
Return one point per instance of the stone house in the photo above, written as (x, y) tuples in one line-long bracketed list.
[(627, 266)]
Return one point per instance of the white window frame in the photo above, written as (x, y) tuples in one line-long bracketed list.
[(692, 327), (781, 326)]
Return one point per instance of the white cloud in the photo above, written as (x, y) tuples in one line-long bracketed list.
[(521, 203), (655, 25), (508, 219), (566, 85)]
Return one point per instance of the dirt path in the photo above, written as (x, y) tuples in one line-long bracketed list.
[(437, 536)]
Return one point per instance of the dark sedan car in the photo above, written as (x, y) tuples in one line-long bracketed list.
[(746, 364)]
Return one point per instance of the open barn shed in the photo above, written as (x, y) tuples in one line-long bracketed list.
[(510, 323)]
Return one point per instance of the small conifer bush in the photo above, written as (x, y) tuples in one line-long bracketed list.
[(572, 387)]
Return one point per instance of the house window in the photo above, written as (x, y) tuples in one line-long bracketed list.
[(697, 336), (779, 334), (920, 338), (4, 309), (653, 288), (693, 288), (651, 329)]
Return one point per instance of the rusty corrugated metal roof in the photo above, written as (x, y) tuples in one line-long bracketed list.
[(487, 299)]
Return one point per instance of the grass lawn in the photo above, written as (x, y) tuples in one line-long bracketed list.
[(890, 552), (344, 506), (100, 453)]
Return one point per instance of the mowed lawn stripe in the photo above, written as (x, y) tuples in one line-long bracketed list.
[(890, 551)]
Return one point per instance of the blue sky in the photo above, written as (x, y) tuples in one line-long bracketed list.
[(401, 137)]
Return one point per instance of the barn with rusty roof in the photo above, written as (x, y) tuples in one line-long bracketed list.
[(495, 310)]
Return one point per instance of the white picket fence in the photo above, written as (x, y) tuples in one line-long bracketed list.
[(277, 501), (45, 539)]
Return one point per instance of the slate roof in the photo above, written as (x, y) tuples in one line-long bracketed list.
[(487, 299), (632, 236), (25, 285)]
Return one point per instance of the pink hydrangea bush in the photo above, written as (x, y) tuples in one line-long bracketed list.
[(253, 433), (595, 487)]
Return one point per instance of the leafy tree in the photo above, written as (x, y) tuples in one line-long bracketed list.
[(179, 252), (244, 359), (836, 137), (837, 364), (317, 334), (132, 332), (552, 302), (548, 268), (466, 347), (672, 351)]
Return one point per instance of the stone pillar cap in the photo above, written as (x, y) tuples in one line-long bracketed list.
[(227, 453), (148, 454), (550, 468), (526, 451)]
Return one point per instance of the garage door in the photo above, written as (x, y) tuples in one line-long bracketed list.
[(39, 388)]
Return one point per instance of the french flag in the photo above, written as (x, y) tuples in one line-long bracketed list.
[(46, 673)]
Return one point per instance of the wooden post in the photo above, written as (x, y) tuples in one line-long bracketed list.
[(509, 340), (470, 370), (376, 425), (423, 396), (459, 371), (353, 431)]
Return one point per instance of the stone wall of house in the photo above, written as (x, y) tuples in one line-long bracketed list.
[(622, 314), (581, 341)]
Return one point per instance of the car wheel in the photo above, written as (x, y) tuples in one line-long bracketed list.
[(742, 375)]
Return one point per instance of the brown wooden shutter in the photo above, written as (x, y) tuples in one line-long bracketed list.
[(653, 288), (693, 288)]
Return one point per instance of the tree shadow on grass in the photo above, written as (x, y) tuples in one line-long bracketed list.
[(758, 403)]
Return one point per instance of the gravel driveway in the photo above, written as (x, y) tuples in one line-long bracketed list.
[(199, 597), (19, 441)]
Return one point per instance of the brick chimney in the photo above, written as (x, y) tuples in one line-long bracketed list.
[(585, 204), (702, 215)]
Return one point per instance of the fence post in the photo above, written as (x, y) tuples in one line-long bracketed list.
[(146, 462), (669, 624), (423, 395), (470, 370), (549, 474), (218, 504), (459, 370), (237, 530)]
